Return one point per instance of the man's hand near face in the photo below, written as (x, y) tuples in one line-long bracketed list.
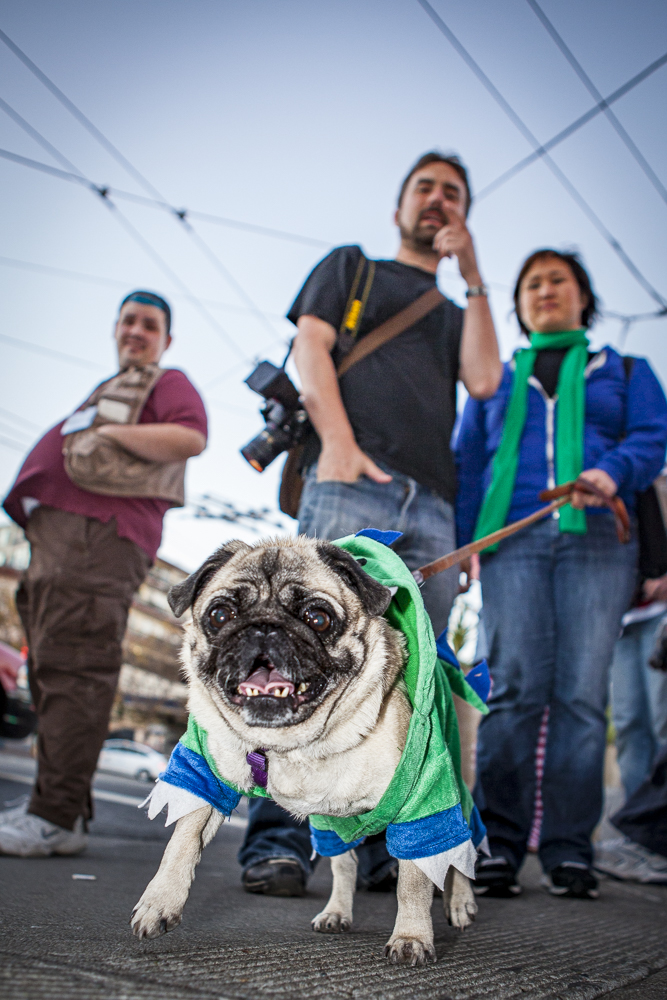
[(455, 240), (432, 222)]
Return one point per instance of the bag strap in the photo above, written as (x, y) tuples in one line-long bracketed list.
[(391, 328)]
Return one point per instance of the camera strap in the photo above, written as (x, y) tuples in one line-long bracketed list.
[(391, 328), (347, 344), (291, 483), (356, 303)]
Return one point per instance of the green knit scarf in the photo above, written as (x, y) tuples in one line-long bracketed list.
[(571, 391)]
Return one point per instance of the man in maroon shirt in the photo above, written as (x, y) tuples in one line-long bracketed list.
[(89, 553)]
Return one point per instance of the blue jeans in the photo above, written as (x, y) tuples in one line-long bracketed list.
[(332, 510), (639, 701), (553, 603)]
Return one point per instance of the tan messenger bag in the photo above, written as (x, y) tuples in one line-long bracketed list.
[(100, 465)]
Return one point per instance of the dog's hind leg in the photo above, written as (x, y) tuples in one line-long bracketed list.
[(161, 907), (337, 914), (412, 940), (458, 899)]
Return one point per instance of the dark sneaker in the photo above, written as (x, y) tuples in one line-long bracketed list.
[(572, 879), (495, 877), (275, 877)]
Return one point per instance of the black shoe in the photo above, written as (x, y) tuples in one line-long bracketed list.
[(495, 877), (572, 879), (275, 877)]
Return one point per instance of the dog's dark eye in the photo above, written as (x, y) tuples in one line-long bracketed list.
[(318, 620), (220, 616)]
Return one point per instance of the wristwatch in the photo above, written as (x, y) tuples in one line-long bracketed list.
[(475, 290)]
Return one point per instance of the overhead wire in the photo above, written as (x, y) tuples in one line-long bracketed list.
[(628, 321), (27, 345), (78, 114), (157, 200), (179, 215), (77, 175), (98, 279), (114, 192), (221, 220), (12, 444), (16, 431), (571, 129), (552, 165), (16, 418), (593, 90), (38, 138)]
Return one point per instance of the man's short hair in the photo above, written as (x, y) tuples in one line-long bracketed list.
[(150, 299), (435, 157)]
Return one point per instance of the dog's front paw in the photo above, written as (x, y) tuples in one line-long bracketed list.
[(409, 951), (330, 922), (150, 919), (461, 912), (461, 908)]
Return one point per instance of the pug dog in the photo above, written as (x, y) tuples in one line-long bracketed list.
[(287, 650)]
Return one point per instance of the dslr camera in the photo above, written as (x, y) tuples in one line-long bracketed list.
[(286, 420)]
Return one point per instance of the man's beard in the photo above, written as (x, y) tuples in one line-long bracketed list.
[(416, 238)]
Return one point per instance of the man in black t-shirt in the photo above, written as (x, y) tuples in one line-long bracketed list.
[(379, 455)]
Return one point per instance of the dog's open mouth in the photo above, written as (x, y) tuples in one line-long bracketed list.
[(265, 681)]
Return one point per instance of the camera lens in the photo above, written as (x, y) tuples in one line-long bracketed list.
[(264, 448)]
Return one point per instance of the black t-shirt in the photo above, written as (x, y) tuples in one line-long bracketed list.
[(401, 399)]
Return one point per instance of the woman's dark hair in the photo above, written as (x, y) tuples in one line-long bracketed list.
[(435, 157), (590, 311)]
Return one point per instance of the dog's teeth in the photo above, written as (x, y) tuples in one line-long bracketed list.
[(302, 687)]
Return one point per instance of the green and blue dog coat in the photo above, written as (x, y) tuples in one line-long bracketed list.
[(427, 810)]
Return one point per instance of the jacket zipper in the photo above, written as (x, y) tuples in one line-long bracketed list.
[(549, 420)]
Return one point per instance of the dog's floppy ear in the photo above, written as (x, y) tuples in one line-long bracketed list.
[(373, 595), (183, 595)]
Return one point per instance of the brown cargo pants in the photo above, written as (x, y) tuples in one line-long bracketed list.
[(74, 600)]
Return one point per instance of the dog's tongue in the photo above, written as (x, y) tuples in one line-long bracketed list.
[(265, 682)]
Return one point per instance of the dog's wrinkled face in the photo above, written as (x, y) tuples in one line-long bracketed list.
[(279, 627)]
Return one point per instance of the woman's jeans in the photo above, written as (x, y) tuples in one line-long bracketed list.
[(639, 701), (553, 604), (332, 510)]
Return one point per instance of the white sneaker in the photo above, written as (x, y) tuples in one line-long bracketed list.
[(18, 807), (626, 860), (29, 836)]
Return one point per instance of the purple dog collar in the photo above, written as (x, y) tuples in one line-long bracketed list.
[(259, 766)]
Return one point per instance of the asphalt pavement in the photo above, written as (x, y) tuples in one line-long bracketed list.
[(64, 937)]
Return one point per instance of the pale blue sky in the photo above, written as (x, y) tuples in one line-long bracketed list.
[(301, 117)]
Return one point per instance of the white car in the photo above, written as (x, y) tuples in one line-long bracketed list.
[(132, 760)]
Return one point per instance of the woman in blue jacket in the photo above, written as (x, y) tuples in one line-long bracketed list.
[(554, 593)]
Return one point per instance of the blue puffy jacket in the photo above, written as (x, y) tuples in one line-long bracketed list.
[(625, 433)]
